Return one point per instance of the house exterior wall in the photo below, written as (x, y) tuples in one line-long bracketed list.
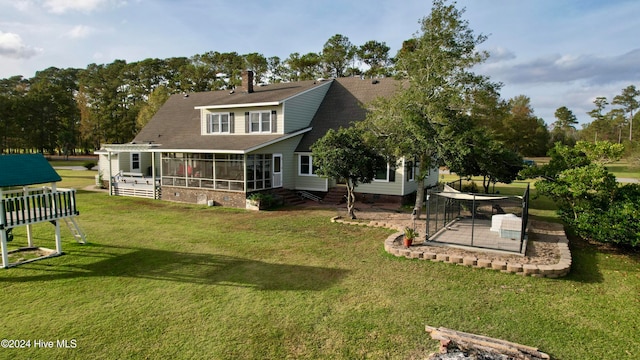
[(385, 187), (307, 182), (311, 183), (124, 161), (239, 126), (299, 110), (289, 167), (103, 165)]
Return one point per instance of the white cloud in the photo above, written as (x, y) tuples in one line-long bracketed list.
[(80, 32), (499, 54), (12, 46), (22, 5), (62, 6), (569, 68)]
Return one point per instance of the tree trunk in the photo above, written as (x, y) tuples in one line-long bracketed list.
[(419, 196), (351, 200)]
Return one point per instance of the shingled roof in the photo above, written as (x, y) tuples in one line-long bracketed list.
[(177, 124), (344, 103), (26, 169)]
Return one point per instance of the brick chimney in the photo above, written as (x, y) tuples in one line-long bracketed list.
[(247, 81)]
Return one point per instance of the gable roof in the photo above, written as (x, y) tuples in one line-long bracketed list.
[(26, 169), (177, 124), (345, 103)]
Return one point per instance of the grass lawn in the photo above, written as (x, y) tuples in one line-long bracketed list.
[(164, 280)]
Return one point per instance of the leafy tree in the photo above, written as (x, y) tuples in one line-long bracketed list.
[(600, 152), (564, 128), (489, 111), (422, 120), (257, 63), (523, 132), (276, 69), (156, 99), (375, 55), (52, 112), (305, 67), (12, 92), (629, 102), (111, 107), (337, 53), (588, 196), (344, 154), (602, 127), (486, 157)]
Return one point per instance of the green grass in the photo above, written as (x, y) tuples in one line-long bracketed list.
[(624, 169), (169, 280)]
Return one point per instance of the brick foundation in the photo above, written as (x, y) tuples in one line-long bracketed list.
[(202, 196)]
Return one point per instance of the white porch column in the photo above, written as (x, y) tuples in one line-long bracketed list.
[(110, 172), (153, 174)]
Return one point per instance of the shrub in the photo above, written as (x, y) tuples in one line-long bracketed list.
[(470, 187), (89, 165)]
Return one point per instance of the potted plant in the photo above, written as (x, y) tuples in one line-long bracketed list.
[(259, 201), (409, 235)]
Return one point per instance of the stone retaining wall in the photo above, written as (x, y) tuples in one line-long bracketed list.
[(393, 245)]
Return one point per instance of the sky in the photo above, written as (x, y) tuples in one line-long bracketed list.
[(556, 52)]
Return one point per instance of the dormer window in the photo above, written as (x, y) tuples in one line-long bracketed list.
[(261, 121), (219, 123)]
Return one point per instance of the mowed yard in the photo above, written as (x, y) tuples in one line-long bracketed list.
[(164, 280)]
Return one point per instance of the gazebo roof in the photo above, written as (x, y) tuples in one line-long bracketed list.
[(26, 169)]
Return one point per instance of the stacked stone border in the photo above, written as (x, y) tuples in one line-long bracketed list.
[(393, 245)]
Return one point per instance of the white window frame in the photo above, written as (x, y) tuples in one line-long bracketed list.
[(311, 171), (411, 167), (386, 178), (137, 169), (212, 118), (261, 122)]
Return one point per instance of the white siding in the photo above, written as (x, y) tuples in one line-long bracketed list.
[(239, 126)]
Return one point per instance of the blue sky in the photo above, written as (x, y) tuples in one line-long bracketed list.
[(557, 52)]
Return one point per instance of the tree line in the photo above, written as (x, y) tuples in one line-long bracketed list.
[(75, 110), (69, 110)]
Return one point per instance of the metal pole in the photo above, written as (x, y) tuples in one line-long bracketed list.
[(428, 217), (437, 211), (473, 216)]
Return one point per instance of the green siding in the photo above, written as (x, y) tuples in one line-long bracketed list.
[(308, 182), (385, 187), (300, 109), (286, 148)]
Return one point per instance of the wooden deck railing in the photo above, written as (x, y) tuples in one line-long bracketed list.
[(36, 206)]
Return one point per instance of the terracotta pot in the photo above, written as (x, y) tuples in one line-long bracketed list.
[(407, 241)]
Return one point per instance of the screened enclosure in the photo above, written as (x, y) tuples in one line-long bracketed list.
[(490, 221)]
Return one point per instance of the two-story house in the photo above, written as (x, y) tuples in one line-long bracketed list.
[(217, 147)]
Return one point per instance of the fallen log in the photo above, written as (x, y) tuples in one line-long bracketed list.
[(468, 341)]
